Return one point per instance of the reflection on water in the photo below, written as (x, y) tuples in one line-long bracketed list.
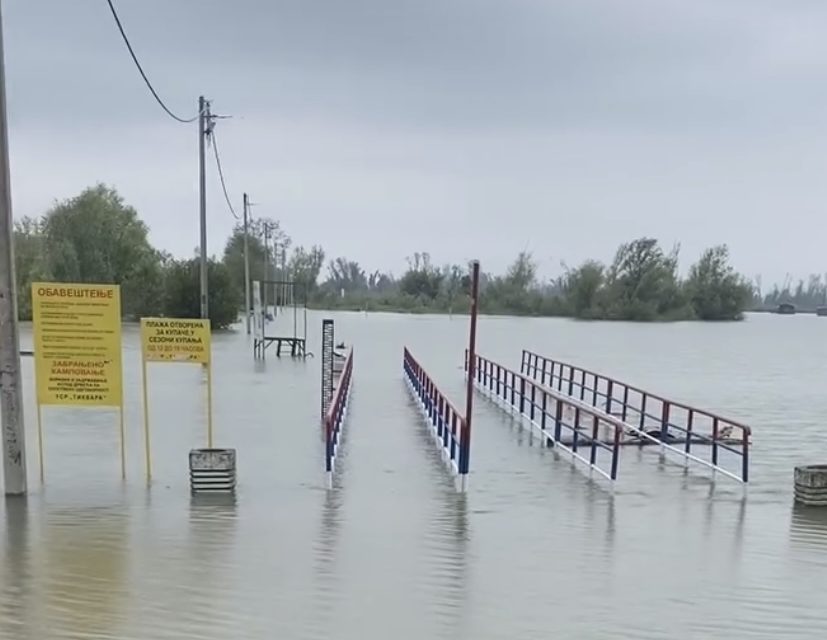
[(808, 527), (83, 569), (17, 619), (538, 548)]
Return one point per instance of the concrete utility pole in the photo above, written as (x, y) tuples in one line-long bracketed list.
[(284, 274), (204, 124), (266, 262), (246, 267), (11, 395)]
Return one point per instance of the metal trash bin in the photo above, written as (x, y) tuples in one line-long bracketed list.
[(810, 485), (212, 470)]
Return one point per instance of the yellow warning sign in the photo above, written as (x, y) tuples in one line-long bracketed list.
[(175, 340), (77, 344)]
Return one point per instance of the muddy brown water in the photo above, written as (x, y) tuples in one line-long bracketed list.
[(536, 549)]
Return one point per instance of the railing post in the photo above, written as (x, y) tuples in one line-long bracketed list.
[(543, 418), (513, 388), (440, 409), (543, 376), (558, 420), (642, 410), (522, 395), (582, 384), (689, 418), (615, 453), (594, 391), (575, 431), (609, 393), (625, 408), (533, 395), (446, 423), (715, 441), (664, 420), (745, 456), (453, 436), (595, 434)]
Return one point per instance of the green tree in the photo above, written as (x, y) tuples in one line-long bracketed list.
[(453, 281), (522, 273), (422, 279), (581, 289), (515, 292), (182, 297), (305, 266), (717, 292), (95, 237), (30, 262), (345, 275), (643, 283), (266, 241)]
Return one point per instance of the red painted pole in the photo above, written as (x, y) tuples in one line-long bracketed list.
[(465, 452)]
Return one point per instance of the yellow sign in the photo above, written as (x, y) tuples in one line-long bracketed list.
[(175, 340), (77, 344)]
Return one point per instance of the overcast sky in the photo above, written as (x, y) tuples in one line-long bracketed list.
[(465, 128)]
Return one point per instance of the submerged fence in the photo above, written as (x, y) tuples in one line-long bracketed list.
[(589, 435), (701, 436), (450, 428), (335, 415)]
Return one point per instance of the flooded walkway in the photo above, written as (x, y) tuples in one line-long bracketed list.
[(536, 549)]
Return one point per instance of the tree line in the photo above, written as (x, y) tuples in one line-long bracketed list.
[(96, 237), (806, 295)]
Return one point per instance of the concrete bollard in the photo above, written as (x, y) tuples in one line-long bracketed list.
[(811, 485)]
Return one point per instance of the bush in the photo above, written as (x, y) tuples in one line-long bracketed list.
[(182, 297)]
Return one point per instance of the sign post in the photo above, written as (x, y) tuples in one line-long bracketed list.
[(465, 440), (175, 340), (77, 349)]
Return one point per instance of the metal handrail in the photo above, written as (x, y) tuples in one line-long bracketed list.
[(539, 402), (447, 421), (538, 367), (336, 411)]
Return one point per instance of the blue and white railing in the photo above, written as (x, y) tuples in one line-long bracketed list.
[(700, 436), (449, 426)]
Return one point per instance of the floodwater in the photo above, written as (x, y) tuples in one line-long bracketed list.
[(536, 549)]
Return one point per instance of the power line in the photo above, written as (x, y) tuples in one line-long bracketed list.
[(221, 174), (141, 70)]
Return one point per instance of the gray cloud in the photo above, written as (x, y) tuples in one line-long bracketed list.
[(466, 127)]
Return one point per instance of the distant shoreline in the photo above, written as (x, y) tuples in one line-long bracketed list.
[(797, 312)]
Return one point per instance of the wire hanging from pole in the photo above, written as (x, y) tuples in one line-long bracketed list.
[(141, 70), (221, 174)]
